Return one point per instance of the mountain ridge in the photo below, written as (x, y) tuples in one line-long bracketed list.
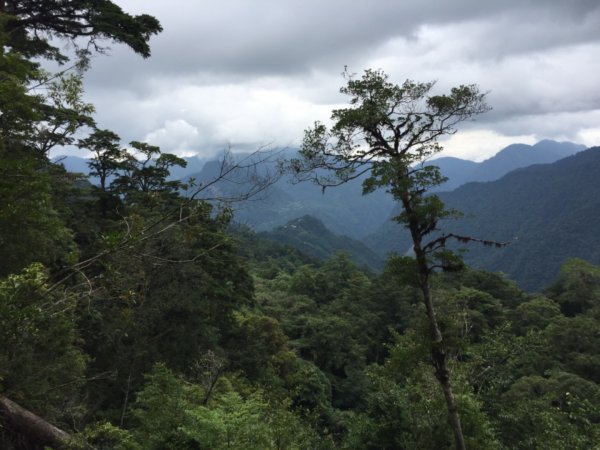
[(337, 207), (310, 236), (546, 211)]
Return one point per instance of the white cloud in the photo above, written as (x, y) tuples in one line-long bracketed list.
[(204, 119), (178, 136), (478, 145), (589, 137), (248, 73)]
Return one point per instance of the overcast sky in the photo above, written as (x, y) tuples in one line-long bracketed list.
[(246, 73)]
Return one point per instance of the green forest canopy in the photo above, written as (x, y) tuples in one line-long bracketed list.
[(134, 318)]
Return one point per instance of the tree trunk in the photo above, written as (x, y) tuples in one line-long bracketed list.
[(438, 350), (34, 428), (438, 354)]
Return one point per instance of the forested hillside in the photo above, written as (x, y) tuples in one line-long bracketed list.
[(135, 314), (284, 200), (310, 236), (337, 208), (547, 214)]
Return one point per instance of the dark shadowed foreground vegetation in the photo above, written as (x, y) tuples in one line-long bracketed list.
[(132, 317)]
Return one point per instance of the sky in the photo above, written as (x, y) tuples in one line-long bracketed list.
[(245, 74)]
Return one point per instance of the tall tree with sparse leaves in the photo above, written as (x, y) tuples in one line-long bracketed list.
[(388, 131)]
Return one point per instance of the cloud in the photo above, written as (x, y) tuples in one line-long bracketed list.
[(479, 145), (178, 136), (266, 37), (205, 119), (589, 136), (248, 73)]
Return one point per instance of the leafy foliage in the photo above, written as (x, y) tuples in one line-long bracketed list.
[(41, 361), (29, 25), (170, 416), (142, 318), (388, 132)]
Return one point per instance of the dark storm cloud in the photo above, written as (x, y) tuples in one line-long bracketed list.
[(285, 37)]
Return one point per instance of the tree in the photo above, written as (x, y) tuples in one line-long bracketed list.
[(29, 31), (145, 180), (157, 289), (108, 155), (169, 414), (577, 289), (388, 132), (41, 363), (406, 410), (31, 229), (31, 24), (64, 113), (38, 111), (31, 123)]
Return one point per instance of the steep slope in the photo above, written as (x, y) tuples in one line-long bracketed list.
[(548, 213), (284, 201), (310, 236)]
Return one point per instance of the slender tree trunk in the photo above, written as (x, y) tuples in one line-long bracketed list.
[(440, 361), (438, 350), (126, 399)]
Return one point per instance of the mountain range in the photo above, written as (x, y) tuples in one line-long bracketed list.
[(345, 211), (540, 198), (515, 156), (546, 213)]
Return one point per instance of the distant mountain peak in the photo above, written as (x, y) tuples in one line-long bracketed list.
[(553, 209), (512, 157)]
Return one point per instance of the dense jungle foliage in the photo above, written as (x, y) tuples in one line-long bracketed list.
[(132, 317)]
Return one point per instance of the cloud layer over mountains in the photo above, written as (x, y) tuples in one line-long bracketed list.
[(248, 73)]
